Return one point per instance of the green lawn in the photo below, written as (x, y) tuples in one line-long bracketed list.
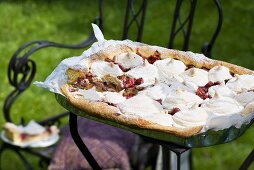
[(69, 21)]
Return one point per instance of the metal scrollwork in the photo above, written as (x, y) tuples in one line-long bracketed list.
[(186, 26), (207, 47), (188, 20), (137, 17), (21, 72), (22, 69)]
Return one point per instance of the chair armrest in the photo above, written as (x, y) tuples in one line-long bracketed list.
[(54, 119), (27, 67)]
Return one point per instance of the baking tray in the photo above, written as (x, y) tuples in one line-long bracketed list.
[(207, 138)]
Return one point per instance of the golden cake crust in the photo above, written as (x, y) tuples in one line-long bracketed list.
[(102, 110)]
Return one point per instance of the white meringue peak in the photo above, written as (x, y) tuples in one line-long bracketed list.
[(196, 76), (140, 105), (190, 118), (158, 91), (219, 73), (147, 71), (240, 83), (222, 90), (168, 68), (222, 105), (90, 94), (245, 97), (113, 97), (129, 60), (103, 68), (161, 119), (248, 109), (181, 99)]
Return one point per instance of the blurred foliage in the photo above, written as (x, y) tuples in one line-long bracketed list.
[(69, 22)]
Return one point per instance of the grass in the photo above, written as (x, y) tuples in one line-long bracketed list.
[(69, 22)]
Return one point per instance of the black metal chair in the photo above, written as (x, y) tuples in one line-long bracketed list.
[(26, 67), (21, 72)]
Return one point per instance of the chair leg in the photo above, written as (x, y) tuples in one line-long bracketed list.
[(1, 151), (190, 160), (247, 161), (43, 164), (165, 158), (24, 160), (79, 142), (21, 156), (178, 158)]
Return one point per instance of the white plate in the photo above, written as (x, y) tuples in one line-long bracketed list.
[(43, 143)]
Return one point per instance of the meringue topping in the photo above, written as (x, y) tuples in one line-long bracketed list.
[(190, 118), (177, 85), (169, 81), (245, 97), (90, 94), (162, 119), (103, 68), (129, 60), (222, 105), (240, 83), (158, 91), (219, 73), (83, 64), (248, 109), (147, 71), (140, 105), (222, 90), (196, 76), (113, 97), (181, 99), (168, 68), (219, 122)]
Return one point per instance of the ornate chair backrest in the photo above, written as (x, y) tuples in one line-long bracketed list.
[(179, 24), (22, 69)]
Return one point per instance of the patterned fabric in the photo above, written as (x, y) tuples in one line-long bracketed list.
[(110, 147)]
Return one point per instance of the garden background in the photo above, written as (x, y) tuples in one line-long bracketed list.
[(69, 21)]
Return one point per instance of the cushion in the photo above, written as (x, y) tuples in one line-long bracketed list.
[(110, 147)]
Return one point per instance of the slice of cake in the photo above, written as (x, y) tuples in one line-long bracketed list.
[(31, 133)]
